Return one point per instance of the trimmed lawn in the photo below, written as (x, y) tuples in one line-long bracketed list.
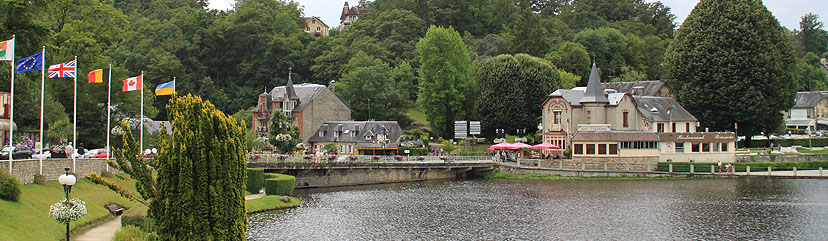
[(418, 115), (270, 202), (29, 218)]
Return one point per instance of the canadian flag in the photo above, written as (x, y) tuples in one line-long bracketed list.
[(133, 83)]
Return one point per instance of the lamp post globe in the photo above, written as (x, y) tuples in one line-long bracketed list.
[(67, 181)]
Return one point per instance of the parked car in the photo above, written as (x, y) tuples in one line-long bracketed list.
[(91, 153), (20, 152), (102, 154)]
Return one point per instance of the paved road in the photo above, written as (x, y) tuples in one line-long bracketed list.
[(102, 232)]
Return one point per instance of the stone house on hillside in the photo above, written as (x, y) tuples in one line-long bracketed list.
[(359, 137), (315, 27), (350, 15), (604, 126), (306, 106)]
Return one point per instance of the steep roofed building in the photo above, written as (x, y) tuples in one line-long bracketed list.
[(350, 15)]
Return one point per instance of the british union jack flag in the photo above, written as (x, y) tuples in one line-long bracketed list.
[(64, 70)]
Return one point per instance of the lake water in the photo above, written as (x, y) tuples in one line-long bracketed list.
[(557, 209)]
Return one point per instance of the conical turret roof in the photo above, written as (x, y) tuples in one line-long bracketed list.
[(291, 92), (594, 92)]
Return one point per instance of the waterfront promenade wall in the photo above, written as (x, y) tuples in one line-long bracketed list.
[(782, 158), (25, 170)]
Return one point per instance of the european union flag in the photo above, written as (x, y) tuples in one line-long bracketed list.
[(34, 62)]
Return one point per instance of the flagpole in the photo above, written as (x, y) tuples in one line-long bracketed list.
[(108, 101), (11, 113), (42, 94), (75, 112), (141, 129)]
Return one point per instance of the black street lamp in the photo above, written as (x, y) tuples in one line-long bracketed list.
[(67, 181)]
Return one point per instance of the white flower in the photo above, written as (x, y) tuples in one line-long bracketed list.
[(65, 212)]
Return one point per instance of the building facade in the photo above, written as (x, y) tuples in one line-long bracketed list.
[(359, 137), (306, 106), (603, 125), (315, 27), (350, 15), (810, 111)]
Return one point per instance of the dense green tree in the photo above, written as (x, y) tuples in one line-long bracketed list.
[(510, 88), (809, 75), (489, 46), (573, 58), (568, 80), (445, 85), (201, 174), (369, 81), (528, 34), (407, 82), (607, 47), (730, 63), (811, 37)]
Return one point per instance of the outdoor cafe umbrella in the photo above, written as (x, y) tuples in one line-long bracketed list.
[(518, 146), (499, 146), (545, 146)]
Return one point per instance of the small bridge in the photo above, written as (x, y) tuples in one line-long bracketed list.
[(332, 172)]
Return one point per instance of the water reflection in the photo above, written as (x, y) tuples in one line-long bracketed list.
[(567, 209)]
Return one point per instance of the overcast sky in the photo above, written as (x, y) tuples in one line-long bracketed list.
[(788, 12)]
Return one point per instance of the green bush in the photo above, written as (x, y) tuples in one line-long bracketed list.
[(255, 180), (414, 151), (742, 166), (280, 185), (137, 216), (9, 187), (132, 233)]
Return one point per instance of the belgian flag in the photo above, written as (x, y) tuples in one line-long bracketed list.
[(98, 76)]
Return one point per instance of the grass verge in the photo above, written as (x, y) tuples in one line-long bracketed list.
[(529, 176), (271, 202), (29, 219)]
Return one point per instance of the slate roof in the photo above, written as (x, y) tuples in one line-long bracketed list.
[(305, 93), (317, 19), (616, 136), (572, 96), (649, 87), (594, 91), (655, 108), (809, 99), (353, 11), (362, 129)]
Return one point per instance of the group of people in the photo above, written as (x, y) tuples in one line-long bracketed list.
[(68, 149), (729, 169)]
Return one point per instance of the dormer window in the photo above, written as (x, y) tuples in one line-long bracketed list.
[(367, 137)]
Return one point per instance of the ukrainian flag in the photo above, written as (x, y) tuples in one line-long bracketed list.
[(166, 88)]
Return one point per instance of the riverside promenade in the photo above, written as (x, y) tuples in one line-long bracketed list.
[(581, 169)]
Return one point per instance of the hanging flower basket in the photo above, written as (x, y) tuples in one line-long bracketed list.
[(283, 157), (64, 212), (398, 158), (353, 157), (332, 157), (420, 158), (307, 157), (443, 158), (375, 157)]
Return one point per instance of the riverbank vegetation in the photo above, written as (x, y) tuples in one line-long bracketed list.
[(531, 176), (28, 218)]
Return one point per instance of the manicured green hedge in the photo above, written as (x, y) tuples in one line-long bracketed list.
[(137, 216), (280, 184), (9, 187), (255, 180), (820, 141), (742, 166), (414, 151)]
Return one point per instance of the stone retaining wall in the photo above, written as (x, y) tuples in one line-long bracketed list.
[(25, 170), (782, 158)]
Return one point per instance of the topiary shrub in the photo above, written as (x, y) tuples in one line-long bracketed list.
[(9, 187), (202, 174), (132, 233), (280, 185), (137, 216), (255, 180)]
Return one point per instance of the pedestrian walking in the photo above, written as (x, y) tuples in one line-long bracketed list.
[(69, 150), (720, 165)]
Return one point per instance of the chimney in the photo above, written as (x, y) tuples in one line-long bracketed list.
[(332, 86)]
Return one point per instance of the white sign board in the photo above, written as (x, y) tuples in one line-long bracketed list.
[(474, 128), (461, 130)]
